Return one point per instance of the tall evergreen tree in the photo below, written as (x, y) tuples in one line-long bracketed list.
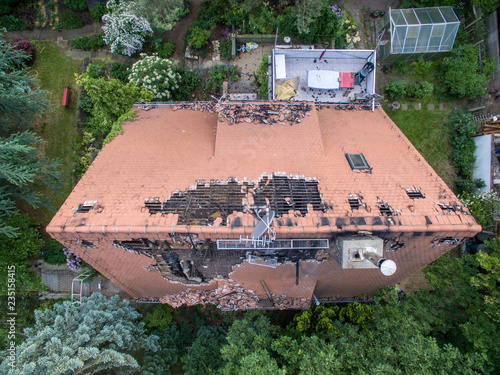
[(22, 169), (82, 339), (20, 99)]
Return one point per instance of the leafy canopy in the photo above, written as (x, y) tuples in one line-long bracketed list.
[(124, 29)]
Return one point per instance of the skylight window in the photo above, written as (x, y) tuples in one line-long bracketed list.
[(357, 161)]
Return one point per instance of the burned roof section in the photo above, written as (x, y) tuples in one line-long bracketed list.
[(206, 202)]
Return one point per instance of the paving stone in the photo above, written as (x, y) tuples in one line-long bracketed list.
[(417, 106), (404, 107), (430, 107), (442, 106)]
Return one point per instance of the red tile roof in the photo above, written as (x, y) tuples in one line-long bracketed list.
[(164, 150)]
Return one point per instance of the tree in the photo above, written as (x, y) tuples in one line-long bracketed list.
[(155, 75), (20, 101), (204, 357), (124, 29), (159, 362), (462, 74), (17, 252), (111, 98), (82, 339), (22, 170), (161, 14)]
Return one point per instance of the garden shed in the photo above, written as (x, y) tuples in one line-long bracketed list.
[(412, 33)]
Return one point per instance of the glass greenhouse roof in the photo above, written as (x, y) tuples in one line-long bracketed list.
[(423, 29)]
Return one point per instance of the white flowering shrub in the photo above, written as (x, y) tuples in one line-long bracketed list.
[(124, 30), (156, 75)]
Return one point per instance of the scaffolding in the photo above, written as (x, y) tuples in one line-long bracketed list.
[(77, 287), (412, 33)]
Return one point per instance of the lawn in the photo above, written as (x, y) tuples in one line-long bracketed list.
[(54, 71), (428, 132)]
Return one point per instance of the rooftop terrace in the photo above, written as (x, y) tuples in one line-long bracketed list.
[(292, 63)]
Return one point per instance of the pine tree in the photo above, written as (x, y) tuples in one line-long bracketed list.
[(82, 339), (22, 169), (20, 100)]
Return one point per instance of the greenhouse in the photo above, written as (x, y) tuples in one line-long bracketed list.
[(412, 33)]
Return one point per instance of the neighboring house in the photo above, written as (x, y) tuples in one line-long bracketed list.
[(168, 208)]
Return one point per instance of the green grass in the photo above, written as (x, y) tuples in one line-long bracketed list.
[(428, 132), (55, 70)]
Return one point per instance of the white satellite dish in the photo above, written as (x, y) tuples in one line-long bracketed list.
[(388, 267), (263, 225)]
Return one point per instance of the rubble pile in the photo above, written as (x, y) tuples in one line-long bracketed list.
[(227, 296), (282, 301), (322, 255), (264, 113)]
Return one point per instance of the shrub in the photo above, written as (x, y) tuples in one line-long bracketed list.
[(69, 20), (189, 81), (85, 105), (226, 49), (262, 78), (462, 74), (98, 11), (400, 67), (53, 253), (482, 206), (419, 90), (76, 4), (21, 44), (395, 90), (12, 23), (218, 74), (95, 70), (462, 127), (88, 43), (165, 49), (156, 75), (422, 67), (119, 71), (198, 37), (51, 6)]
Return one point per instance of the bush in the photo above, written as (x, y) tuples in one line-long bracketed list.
[(119, 71), (95, 70), (53, 253), (69, 20), (23, 45), (198, 37), (226, 49), (463, 75), (98, 11), (85, 105), (165, 49), (419, 90), (462, 127), (218, 74), (189, 82), (262, 78), (395, 90), (400, 67), (12, 23), (76, 4), (88, 44), (155, 75)]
